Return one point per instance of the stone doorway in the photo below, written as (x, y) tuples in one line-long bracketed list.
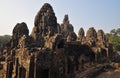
[(45, 73)]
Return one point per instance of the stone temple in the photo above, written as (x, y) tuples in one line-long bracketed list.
[(53, 50)]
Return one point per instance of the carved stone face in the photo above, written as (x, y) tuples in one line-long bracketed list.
[(91, 33), (45, 20), (100, 35), (81, 32)]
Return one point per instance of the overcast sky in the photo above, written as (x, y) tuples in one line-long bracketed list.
[(100, 14)]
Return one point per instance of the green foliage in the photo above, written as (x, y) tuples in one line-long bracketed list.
[(115, 32), (114, 37), (4, 39)]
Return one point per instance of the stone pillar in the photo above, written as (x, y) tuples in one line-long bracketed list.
[(96, 58), (22, 72), (9, 70), (19, 72), (66, 67), (38, 72), (107, 52), (31, 68), (35, 67), (16, 68)]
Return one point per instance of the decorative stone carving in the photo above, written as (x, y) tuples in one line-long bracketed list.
[(19, 30), (45, 22), (81, 35), (91, 36), (67, 29)]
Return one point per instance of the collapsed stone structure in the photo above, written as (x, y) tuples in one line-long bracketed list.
[(53, 50)]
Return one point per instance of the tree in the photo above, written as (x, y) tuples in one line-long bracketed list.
[(4, 39), (118, 31), (113, 32), (114, 37)]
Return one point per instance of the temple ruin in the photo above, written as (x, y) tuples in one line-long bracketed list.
[(53, 50)]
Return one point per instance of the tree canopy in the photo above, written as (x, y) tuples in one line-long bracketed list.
[(4, 39), (114, 37)]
